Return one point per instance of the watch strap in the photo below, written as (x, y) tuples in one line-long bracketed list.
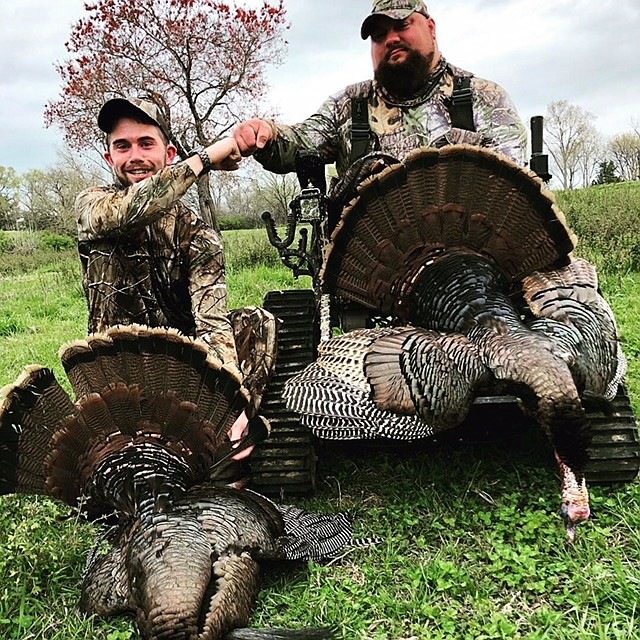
[(201, 152)]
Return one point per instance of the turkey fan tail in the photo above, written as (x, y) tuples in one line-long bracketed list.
[(33, 411), (460, 197), (165, 366), (111, 437), (158, 391)]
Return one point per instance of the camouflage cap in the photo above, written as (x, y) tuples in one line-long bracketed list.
[(116, 108), (394, 9)]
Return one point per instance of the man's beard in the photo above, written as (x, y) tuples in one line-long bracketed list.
[(405, 80)]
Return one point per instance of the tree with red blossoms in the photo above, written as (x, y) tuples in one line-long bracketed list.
[(202, 62)]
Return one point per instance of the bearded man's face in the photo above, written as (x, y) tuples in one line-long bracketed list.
[(404, 53)]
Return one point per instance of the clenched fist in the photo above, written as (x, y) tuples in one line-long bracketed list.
[(252, 135)]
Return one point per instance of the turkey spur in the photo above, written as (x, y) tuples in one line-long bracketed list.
[(136, 449), (470, 257)]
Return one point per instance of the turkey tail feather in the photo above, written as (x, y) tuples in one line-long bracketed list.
[(136, 387), (440, 199), (31, 411)]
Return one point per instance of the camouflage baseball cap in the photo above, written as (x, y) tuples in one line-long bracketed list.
[(394, 9), (116, 108)]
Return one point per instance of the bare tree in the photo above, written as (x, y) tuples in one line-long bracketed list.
[(593, 152), (624, 150), (221, 185), (243, 205), (257, 191), (9, 192), (275, 191), (570, 136), (47, 197)]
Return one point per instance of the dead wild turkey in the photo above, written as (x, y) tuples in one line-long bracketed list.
[(471, 254), (136, 448)]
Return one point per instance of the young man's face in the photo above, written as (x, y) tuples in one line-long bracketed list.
[(137, 151)]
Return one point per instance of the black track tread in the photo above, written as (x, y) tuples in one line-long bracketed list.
[(614, 455), (285, 464)]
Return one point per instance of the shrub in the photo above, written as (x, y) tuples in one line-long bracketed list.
[(6, 242), (15, 263), (605, 219), (55, 241), (26, 243), (231, 223)]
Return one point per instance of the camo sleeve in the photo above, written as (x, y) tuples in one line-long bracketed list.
[(400, 129), (104, 212), (208, 289), (320, 132), (503, 128)]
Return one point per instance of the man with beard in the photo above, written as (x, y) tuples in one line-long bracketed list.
[(407, 104)]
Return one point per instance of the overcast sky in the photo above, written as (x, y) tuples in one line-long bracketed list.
[(584, 51)]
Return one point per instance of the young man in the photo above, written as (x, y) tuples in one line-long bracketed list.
[(148, 259), (406, 105)]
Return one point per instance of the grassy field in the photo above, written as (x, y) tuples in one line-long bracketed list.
[(474, 544)]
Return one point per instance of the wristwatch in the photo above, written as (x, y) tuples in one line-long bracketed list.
[(201, 152)]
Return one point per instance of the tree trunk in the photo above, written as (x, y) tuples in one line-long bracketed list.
[(206, 204)]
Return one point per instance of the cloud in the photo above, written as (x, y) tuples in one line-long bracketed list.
[(35, 32), (582, 51)]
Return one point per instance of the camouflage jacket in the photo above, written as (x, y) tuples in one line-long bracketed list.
[(401, 127), (146, 258)]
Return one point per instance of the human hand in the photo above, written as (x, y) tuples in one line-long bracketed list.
[(225, 154), (236, 433), (252, 135)]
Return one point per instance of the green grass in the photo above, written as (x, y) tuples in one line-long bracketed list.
[(474, 545)]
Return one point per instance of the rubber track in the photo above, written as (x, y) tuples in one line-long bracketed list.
[(614, 455), (285, 464)]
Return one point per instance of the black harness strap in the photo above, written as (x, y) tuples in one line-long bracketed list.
[(360, 128), (461, 105)]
